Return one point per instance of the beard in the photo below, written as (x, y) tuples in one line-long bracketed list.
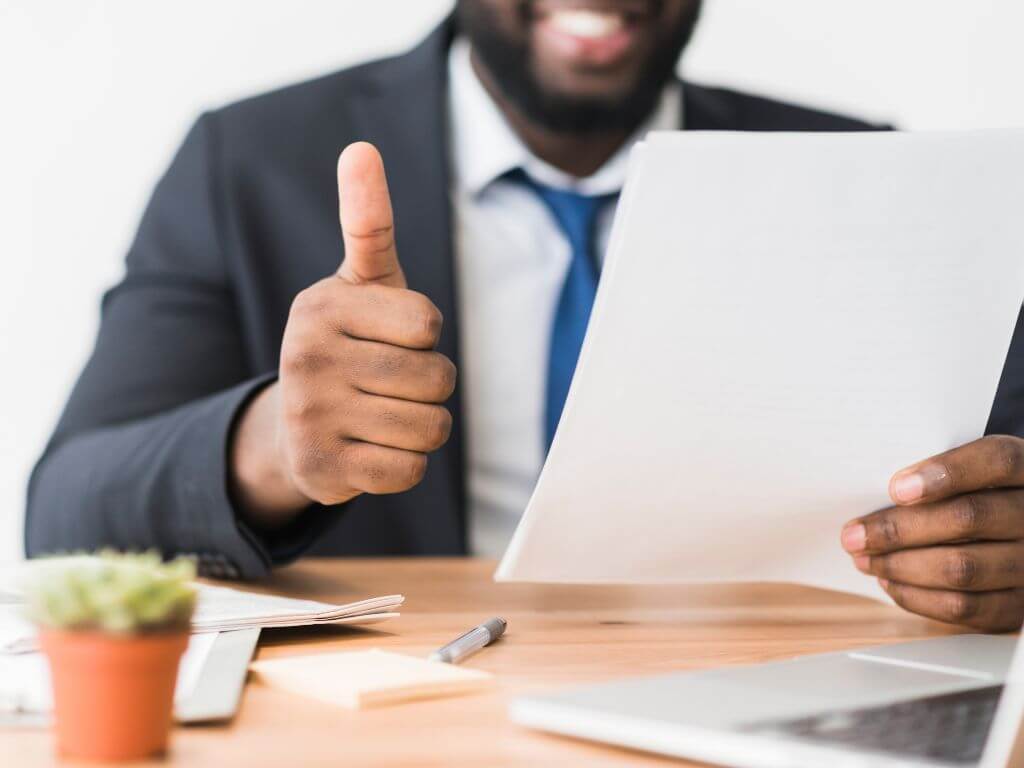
[(508, 61)]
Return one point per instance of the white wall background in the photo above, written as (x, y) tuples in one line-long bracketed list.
[(95, 95)]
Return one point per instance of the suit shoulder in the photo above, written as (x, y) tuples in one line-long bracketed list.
[(737, 110), (297, 112)]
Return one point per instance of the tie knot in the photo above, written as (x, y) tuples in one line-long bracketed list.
[(575, 213)]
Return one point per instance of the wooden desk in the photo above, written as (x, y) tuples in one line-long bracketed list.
[(557, 636)]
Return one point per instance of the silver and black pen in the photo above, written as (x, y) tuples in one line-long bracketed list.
[(470, 642)]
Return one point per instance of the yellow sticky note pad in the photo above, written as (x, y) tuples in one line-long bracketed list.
[(358, 679)]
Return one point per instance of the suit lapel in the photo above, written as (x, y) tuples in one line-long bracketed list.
[(403, 110), (706, 110)]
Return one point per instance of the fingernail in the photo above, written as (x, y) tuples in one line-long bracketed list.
[(855, 537), (863, 562), (907, 488), (883, 583)]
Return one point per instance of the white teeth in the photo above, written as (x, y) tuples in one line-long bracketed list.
[(584, 23)]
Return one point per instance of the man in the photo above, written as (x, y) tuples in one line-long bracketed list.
[(250, 401)]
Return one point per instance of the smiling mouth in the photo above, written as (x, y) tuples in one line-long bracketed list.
[(594, 34), (594, 18), (586, 23)]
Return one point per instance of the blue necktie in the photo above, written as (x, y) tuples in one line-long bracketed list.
[(576, 215)]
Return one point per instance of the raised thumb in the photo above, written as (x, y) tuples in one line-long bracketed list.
[(367, 222)]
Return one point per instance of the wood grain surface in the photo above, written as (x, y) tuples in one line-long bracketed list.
[(557, 636)]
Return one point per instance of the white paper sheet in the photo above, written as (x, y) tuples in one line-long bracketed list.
[(784, 320), (219, 609)]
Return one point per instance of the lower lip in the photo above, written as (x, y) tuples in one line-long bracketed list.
[(590, 51)]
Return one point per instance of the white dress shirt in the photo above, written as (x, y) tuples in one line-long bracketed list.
[(511, 261)]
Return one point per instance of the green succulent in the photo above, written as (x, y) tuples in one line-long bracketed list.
[(111, 592)]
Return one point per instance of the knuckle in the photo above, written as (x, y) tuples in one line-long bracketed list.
[(887, 527), (309, 462), (433, 322), (414, 470), (441, 377), (386, 362), (373, 473), (448, 377), (955, 474), (895, 591), (425, 321), (439, 428), (1014, 617), (970, 513), (961, 607), (304, 359), (1007, 456), (346, 459), (882, 566), (374, 242), (1012, 566), (962, 570), (300, 408), (309, 301), (390, 417)]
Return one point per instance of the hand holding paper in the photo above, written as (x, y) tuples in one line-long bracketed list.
[(782, 323), (953, 547)]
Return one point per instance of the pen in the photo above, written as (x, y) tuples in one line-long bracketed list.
[(471, 642)]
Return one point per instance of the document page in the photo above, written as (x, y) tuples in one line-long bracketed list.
[(218, 609), (783, 321), (221, 608)]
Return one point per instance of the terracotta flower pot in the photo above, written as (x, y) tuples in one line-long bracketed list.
[(113, 695)]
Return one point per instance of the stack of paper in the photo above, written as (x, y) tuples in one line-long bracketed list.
[(783, 322), (224, 609)]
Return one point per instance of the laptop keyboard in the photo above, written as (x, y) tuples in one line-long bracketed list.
[(950, 728)]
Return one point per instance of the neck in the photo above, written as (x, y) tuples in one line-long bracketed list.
[(579, 155)]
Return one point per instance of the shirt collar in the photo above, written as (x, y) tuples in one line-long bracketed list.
[(485, 147)]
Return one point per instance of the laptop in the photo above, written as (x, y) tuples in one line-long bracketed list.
[(952, 701)]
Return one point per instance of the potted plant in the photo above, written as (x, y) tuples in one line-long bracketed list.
[(113, 629)]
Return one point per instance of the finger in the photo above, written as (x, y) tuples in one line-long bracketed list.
[(378, 469), (966, 568), (383, 369), (988, 515), (991, 462), (367, 223), (372, 312), (1000, 611), (399, 423)]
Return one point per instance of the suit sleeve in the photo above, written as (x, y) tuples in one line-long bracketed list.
[(1007, 417), (138, 459)]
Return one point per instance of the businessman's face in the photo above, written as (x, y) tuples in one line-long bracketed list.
[(579, 65)]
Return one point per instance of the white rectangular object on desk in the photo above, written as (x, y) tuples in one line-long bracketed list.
[(211, 677), (783, 321)]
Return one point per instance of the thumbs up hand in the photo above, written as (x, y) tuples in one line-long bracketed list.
[(358, 405)]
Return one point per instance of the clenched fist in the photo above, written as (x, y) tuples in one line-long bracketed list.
[(358, 404)]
